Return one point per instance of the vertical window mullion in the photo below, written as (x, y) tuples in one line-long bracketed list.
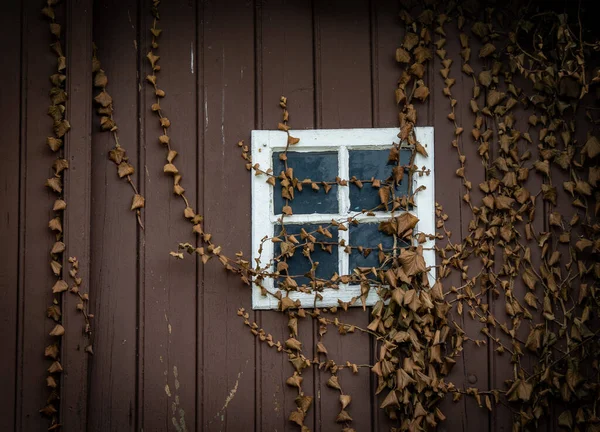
[(344, 173), (344, 206)]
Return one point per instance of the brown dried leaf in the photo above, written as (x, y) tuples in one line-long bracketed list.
[(137, 202)]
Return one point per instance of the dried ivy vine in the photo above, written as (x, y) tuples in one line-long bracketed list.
[(533, 60), (415, 324)]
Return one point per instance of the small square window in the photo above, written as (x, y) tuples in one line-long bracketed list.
[(319, 160), (324, 253), (367, 164), (317, 167)]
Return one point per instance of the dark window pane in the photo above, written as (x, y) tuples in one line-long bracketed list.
[(368, 236), (317, 166), (367, 164), (298, 264)]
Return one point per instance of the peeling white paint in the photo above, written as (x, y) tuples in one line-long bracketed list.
[(192, 57)]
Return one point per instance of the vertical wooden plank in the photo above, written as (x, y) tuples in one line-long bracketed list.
[(475, 360), (387, 31), (386, 35), (78, 178), (10, 104), (284, 26), (36, 210), (229, 350), (343, 71), (113, 272), (169, 350), (471, 369)]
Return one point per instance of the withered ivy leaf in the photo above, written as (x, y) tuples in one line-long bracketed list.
[(55, 184), (51, 351), (295, 380), (286, 302), (297, 416), (293, 344), (54, 143), (58, 247), (125, 169), (58, 330), (170, 169), (49, 12), (543, 167), (117, 155), (391, 400), (171, 155), (421, 93), (422, 54), (60, 286), (48, 410), (103, 98), (178, 190), (333, 383), (55, 367), (410, 40), (412, 261), (486, 50), (61, 63), (56, 267), (401, 226), (485, 78), (100, 79), (343, 417), (345, 400), (583, 243), (503, 202), (591, 147), (61, 128), (152, 58), (58, 96), (107, 123), (53, 312), (303, 402), (138, 202), (402, 56), (51, 382), (59, 205), (60, 165), (420, 149), (55, 224)]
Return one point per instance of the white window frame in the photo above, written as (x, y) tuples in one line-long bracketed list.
[(265, 142)]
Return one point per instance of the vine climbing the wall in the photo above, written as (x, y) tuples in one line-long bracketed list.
[(524, 270)]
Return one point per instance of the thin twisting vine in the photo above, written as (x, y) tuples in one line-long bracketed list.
[(57, 111), (107, 122), (528, 272)]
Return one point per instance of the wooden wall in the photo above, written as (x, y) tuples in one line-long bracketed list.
[(170, 351)]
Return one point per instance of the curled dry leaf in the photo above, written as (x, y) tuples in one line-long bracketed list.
[(137, 202)]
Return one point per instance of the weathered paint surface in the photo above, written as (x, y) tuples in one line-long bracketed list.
[(170, 351)]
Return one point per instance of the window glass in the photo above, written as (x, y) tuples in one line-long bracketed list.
[(367, 164), (298, 264), (316, 166), (369, 237)]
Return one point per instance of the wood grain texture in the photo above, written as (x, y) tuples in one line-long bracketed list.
[(343, 78), (10, 100), (284, 27), (228, 385), (170, 351), (39, 63), (169, 296), (114, 237), (77, 221)]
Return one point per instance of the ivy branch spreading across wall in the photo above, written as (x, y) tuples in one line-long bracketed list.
[(533, 63)]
